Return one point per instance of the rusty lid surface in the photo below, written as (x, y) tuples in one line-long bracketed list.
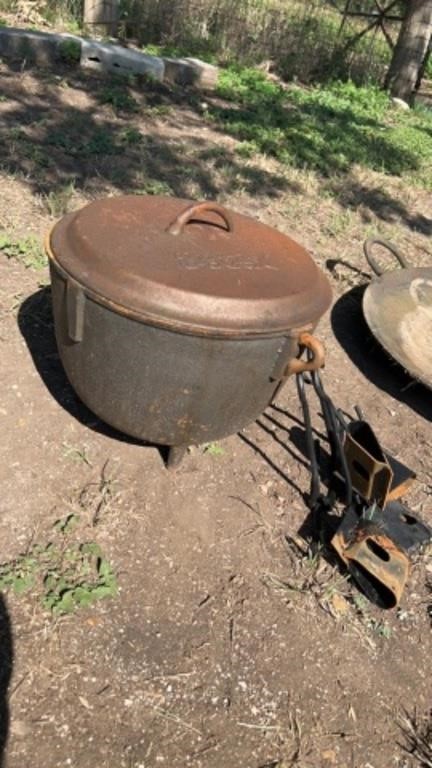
[(197, 268)]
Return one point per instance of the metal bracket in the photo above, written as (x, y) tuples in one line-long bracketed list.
[(376, 475), (378, 566), (373, 544)]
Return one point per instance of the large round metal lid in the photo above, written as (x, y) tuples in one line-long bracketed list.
[(197, 268)]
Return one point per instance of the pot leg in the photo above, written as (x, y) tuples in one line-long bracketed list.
[(175, 456)]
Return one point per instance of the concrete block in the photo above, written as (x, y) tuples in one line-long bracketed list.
[(179, 72), (206, 75), (191, 72), (122, 61), (41, 48)]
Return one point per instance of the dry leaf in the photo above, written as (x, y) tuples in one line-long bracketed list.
[(339, 605)]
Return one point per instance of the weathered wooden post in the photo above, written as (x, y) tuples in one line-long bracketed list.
[(102, 16)]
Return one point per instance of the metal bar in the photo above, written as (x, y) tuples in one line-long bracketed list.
[(314, 468), (375, 15)]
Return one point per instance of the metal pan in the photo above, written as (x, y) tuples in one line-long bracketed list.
[(398, 309)]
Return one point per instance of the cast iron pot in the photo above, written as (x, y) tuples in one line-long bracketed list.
[(177, 323)]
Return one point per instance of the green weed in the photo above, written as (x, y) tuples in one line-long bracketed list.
[(101, 142), (83, 578), (76, 454), (70, 51), (381, 628), (154, 187), (8, 6), (130, 137), (118, 98), (65, 576), (203, 48), (159, 110), (58, 200), (28, 250), (214, 449)]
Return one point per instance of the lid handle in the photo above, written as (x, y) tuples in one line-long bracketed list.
[(367, 248), (194, 211)]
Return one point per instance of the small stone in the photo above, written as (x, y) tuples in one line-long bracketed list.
[(399, 103), (339, 605), (20, 728)]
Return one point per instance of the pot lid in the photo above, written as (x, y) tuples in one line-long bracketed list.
[(197, 268)]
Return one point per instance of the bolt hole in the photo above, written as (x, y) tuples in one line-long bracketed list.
[(408, 519), (378, 550)]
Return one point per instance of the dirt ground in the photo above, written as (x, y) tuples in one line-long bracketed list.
[(226, 645)]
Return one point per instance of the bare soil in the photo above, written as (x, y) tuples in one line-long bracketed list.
[(226, 645)]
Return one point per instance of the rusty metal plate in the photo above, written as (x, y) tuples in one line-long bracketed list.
[(398, 310), (196, 268)]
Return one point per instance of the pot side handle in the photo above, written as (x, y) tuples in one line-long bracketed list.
[(194, 211), (369, 244), (316, 356), (75, 307)]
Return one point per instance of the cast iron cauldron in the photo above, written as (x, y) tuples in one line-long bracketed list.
[(177, 322)]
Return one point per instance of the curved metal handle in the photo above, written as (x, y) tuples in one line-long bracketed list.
[(367, 248), (316, 356), (193, 212)]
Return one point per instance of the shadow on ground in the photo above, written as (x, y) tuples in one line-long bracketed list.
[(81, 131), (357, 196), (352, 332), (36, 324)]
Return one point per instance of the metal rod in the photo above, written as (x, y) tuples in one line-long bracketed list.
[(315, 478)]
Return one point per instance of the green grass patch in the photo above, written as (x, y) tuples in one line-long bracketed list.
[(64, 575), (193, 47), (214, 449), (117, 97), (70, 51), (101, 141), (151, 186), (327, 128), (27, 250)]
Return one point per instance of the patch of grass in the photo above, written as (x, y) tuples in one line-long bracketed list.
[(70, 51), (8, 6), (27, 250), (18, 143), (199, 47), (325, 129), (130, 137), (154, 187), (65, 575), (97, 498), (76, 454), (214, 449), (417, 733), (101, 142), (377, 626), (117, 96), (58, 200), (310, 574), (159, 110)]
